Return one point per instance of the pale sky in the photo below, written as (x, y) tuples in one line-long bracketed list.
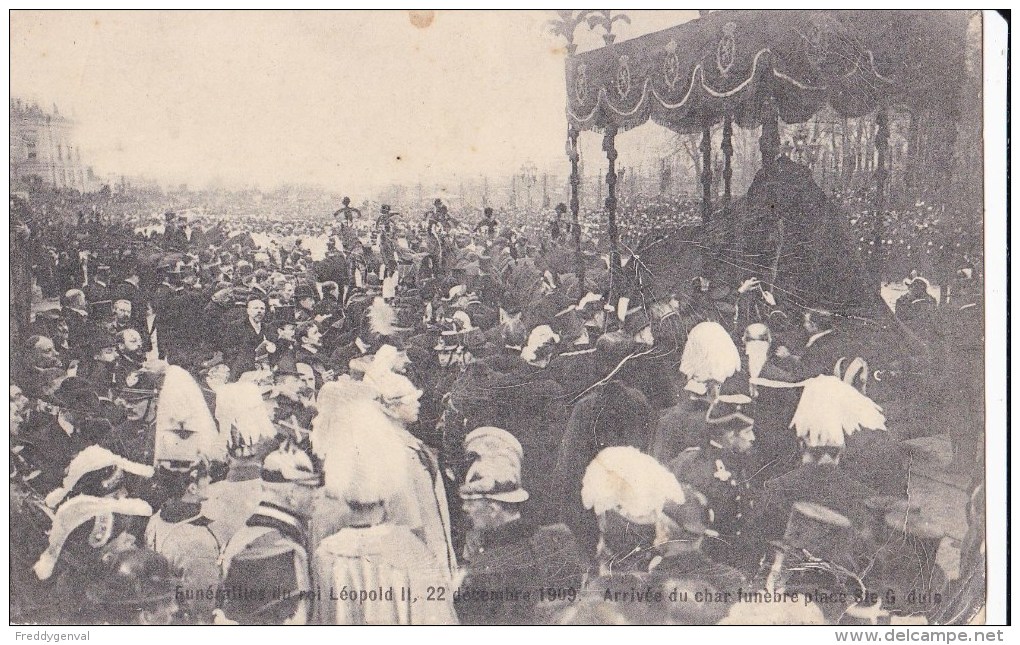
[(330, 98)]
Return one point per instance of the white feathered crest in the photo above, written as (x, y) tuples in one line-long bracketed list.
[(626, 480), (185, 429), (243, 414), (382, 319), (831, 410), (336, 404), (709, 354), (364, 456)]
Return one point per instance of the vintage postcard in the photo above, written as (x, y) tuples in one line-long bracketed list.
[(446, 317)]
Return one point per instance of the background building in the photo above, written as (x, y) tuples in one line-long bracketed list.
[(43, 149)]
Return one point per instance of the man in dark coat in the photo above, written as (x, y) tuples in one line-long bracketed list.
[(81, 328), (611, 414), (98, 292), (825, 345), (819, 480), (250, 341), (776, 448), (129, 289)]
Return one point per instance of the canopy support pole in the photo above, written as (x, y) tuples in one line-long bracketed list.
[(706, 174), (768, 142), (609, 146), (881, 173), (575, 202), (727, 150)]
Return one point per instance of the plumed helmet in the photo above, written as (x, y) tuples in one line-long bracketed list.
[(92, 459), (635, 485), (490, 440), (289, 464), (709, 354), (831, 410), (496, 477)]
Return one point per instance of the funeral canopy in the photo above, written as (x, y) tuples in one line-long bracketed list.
[(729, 62)]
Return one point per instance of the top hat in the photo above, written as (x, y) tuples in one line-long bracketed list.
[(818, 531)]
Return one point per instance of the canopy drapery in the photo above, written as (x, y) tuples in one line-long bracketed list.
[(729, 62)]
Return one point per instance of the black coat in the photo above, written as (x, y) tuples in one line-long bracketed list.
[(517, 557), (610, 415), (242, 345)]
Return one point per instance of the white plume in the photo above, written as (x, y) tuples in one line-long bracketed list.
[(626, 480), (365, 457), (382, 319), (336, 404), (240, 406), (185, 429), (831, 410), (709, 354)]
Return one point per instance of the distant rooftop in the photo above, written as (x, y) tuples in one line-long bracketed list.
[(20, 108)]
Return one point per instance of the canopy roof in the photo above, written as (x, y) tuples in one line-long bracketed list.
[(729, 62)]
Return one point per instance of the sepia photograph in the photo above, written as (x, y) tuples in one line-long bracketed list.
[(545, 317)]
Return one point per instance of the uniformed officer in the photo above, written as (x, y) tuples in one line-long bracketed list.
[(181, 534), (505, 550), (271, 551), (720, 468)]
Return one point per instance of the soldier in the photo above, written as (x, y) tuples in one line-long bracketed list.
[(369, 518), (181, 534), (709, 358), (720, 468), (628, 492), (828, 411), (93, 520), (505, 550), (611, 414), (682, 551), (271, 551)]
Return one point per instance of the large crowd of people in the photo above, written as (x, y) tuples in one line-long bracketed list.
[(379, 417)]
